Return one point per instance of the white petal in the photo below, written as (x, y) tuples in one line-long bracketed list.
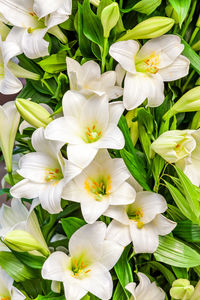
[(70, 171), (112, 138), (163, 225), (150, 204), (73, 290), (60, 15), (118, 233), (108, 80), (34, 45), (10, 84), (87, 154), (90, 71), (55, 266), (23, 126), (124, 195), (17, 295), (26, 189), (71, 192), (6, 283), (144, 283), (99, 282), (111, 253), (87, 239), (124, 52), (178, 69), (120, 72), (168, 47), (43, 8), (73, 102), (145, 239), (131, 180), (50, 197), (131, 288), (116, 110), (117, 213), (73, 71)]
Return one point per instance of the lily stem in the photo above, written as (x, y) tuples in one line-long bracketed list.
[(189, 19), (105, 47), (188, 81), (11, 178)]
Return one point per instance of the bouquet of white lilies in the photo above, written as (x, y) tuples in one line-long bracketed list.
[(101, 148)]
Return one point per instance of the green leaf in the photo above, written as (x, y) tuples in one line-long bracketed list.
[(175, 253), (181, 7), (145, 141), (71, 224), (50, 297), (54, 63), (188, 231), (119, 293), (15, 269), (92, 27), (84, 43), (164, 270), (32, 261), (146, 6), (180, 272), (123, 270), (193, 57), (30, 92)]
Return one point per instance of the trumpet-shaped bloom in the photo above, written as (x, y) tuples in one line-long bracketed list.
[(87, 79), (45, 171), (7, 290), (101, 184), (87, 126), (31, 21), (140, 222), (157, 61), (183, 148), (86, 269), (145, 289), (9, 121), (17, 217)]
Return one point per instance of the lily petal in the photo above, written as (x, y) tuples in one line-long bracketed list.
[(118, 233), (111, 253)]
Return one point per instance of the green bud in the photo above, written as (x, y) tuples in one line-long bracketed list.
[(133, 126), (198, 22), (23, 241), (20, 72), (181, 289), (57, 32), (195, 295), (109, 18), (190, 101), (95, 2), (148, 29), (171, 13), (196, 46), (33, 113), (196, 121)]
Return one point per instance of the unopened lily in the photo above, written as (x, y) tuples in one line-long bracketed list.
[(101, 184), (32, 20), (147, 68), (88, 80), (7, 290), (9, 122), (140, 222), (183, 148), (145, 289), (86, 268), (87, 126), (18, 227), (45, 171)]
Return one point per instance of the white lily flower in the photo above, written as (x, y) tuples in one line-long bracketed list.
[(86, 269), (31, 21), (145, 289), (7, 290), (87, 126), (140, 222), (18, 218), (101, 184), (157, 61), (183, 148), (9, 121), (46, 172), (88, 80)]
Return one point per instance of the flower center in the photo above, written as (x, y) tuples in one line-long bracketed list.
[(92, 134), (5, 298), (79, 268), (136, 215), (152, 63), (53, 175), (100, 187)]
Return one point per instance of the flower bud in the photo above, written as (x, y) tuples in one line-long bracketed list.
[(195, 295), (148, 29), (181, 289), (196, 121), (33, 113), (133, 126), (95, 2), (22, 241), (188, 102), (109, 18)]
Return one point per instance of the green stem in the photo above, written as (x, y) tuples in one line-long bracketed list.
[(194, 35), (121, 3), (11, 178), (188, 81), (105, 45), (189, 19)]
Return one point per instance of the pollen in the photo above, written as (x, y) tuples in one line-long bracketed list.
[(53, 175), (152, 63), (79, 269), (92, 134), (5, 298), (98, 187)]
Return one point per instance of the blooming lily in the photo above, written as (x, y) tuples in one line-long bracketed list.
[(87, 126), (88, 81), (101, 184), (145, 289), (157, 61), (9, 121), (183, 148), (46, 172), (7, 290), (86, 268), (17, 219), (140, 222), (31, 21)]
